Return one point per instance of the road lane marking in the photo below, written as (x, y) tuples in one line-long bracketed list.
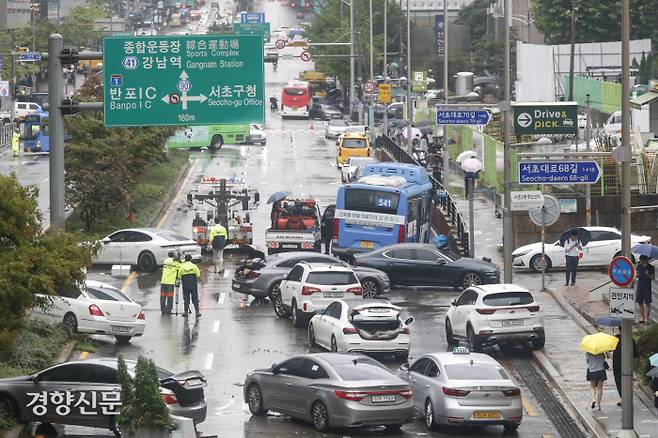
[(221, 298), (215, 327), (209, 359), (84, 355), (546, 436), (528, 408), (175, 198), (129, 280), (225, 274)]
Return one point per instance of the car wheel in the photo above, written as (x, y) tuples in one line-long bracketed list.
[(471, 279), (429, 414), (216, 143), (334, 345), (474, 343), (277, 302), (511, 427), (122, 339), (146, 262), (114, 427), (71, 322), (45, 429), (311, 335), (8, 408), (536, 263), (255, 401), (370, 288), (538, 342), (450, 337), (297, 318), (320, 416)]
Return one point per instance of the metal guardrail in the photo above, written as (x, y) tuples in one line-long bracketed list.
[(445, 201), (6, 130)]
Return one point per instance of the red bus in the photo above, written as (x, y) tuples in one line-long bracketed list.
[(296, 100)]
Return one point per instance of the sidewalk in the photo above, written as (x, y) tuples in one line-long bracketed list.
[(562, 360)]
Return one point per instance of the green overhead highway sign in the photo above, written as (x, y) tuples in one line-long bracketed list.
[(262, 29), (532, 118), (183, 80)]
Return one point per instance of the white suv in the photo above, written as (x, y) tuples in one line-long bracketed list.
[(311, 287), (495, 314)]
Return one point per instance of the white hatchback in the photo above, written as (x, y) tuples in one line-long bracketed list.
[(361, 326), (495, 314), (96, 308), (311, 287)]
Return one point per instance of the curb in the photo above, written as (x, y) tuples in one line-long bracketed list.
[(171, 194), (578, 318)]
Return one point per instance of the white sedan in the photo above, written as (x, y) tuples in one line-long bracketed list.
[(604, 246), (351, 170), (361, 326), (144, 247), (96, 308), (334, 128)]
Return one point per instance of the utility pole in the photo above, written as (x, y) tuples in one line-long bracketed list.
[(409, 104), (371, 64), (588, 188), (626, 324), (12, 109), (352, 93), (507, 213), (55, 95), (446, 156), (385, 69), (371, 109), (574, 10)]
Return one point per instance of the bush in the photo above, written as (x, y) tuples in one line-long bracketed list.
[(647, 344)]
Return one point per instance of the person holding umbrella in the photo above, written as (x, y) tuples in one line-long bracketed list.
[(572, 249), (645, 276), (595, 347), (616, 363)]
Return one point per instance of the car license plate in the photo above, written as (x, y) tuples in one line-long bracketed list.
[(382, 398), (289, 245), (486, 415), (332, 295), (367, 244), (512, 322), (377, 310), (236, 285), (120, 329)]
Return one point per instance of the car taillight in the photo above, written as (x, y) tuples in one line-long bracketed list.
[(351, 395), (273, 245), (253, 274), (334, 230), (307, 245), (512, 392), (406, 393), (245, 228), (406, 331), (168, 396), (485, 311), (94, 310), (533, 308), (355, 290), (452, 392), (401, 233), (141, 315), (350, 331), (308, 290), (198, 229)]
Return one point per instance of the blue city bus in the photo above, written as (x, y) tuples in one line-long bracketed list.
[(34, 132), (390, 203)]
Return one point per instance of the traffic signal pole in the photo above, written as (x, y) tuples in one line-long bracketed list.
[(508, 232), (56, 140)]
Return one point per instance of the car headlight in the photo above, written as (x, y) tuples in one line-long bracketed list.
[(521, 253)]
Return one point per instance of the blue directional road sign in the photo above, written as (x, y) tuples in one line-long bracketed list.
[(559, 172), (252, 17), (445, 116), (29, 57)]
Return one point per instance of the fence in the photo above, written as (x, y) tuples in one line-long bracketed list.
[(6, 131), (459, 235)]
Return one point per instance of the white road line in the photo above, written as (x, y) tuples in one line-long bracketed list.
[(215, 327), (209, 358), (226, 273), (221, 298)]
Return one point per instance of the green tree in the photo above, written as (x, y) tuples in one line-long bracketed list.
[(33, 261)]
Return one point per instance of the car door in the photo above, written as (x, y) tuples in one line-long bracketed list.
[(100, 398), (396, 263), (291, 286), (324, 326), (333, 323), (110, 247), (280, 389), (302, 389), (462, 308), (68, 300), (430, 268), (416, 370), (424, 384), (601, 249)]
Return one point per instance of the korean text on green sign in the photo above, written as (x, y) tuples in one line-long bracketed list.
[(262, 29), (545, 118), (183, 80)]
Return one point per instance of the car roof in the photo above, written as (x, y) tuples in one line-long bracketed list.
[(448, 357), (366, 302), (96, 283), (496, 288), (315, 266), (335, 358)]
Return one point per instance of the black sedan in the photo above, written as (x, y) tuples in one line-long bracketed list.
[(423, 264)]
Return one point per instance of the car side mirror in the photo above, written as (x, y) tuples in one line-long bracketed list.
[(441, 261), (35, 378), (404, 367), (453, 303), (106, 240), (409, 320), (273, 368)]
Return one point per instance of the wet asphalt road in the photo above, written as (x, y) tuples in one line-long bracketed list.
[(235, 333)]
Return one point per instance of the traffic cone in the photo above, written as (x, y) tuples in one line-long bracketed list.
[(311, 128)]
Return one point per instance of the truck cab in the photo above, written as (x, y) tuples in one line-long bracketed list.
[(295, 226), (352, 145)]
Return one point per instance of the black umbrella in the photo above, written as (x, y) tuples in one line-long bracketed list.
[(426, 130), (583, 235)]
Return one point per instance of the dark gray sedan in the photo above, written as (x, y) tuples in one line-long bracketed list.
[(261, 278), (88, 393), (331, 390)]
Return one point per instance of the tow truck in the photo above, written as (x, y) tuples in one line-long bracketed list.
[(296, 227), (231, 201)]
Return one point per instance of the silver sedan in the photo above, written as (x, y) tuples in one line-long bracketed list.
[(331, 390), (463, 388)]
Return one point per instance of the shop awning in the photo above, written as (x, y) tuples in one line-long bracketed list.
[(643, 99)]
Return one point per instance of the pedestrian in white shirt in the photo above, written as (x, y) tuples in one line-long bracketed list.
[(572, 248)]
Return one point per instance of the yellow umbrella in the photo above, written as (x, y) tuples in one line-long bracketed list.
[(598, 343)]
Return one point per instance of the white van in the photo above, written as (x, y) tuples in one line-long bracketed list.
[(22, 109)]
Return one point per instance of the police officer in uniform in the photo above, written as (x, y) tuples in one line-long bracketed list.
[(189, 273), (168, 282), (218, 237), (15, 143)]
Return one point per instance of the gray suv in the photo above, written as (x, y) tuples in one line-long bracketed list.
[(261, 278)]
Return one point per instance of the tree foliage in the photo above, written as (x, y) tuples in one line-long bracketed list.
[(33, 261)]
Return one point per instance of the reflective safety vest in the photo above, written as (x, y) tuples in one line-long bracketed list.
[(170, 271), (218, 230), (188, 268)]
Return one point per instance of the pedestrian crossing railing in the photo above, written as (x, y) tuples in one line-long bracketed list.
[(6, 130), (458, 230)]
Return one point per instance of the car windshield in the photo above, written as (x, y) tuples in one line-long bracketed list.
[(340, 278), (171, 236), (374, 201), (448, 255), (508, 299), (106, 293), (362, 371), (294, 91), (353, 143), (477, 371), (337, 122)]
